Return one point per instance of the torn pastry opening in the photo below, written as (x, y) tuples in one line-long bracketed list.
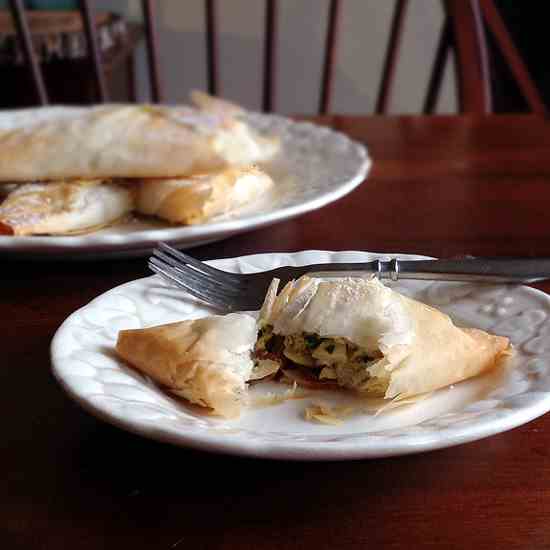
[(360, 335), (316, 361)]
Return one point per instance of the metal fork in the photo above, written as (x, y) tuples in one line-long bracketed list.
[(245, 292), (220, 289)]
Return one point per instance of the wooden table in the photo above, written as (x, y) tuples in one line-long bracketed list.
[(441, 186)]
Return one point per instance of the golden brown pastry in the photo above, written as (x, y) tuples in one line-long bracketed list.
[(197, 199), (207, 361), (127, 141), (64, 207)]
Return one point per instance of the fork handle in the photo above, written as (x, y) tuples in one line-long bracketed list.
[(497, 270), (488, 270)]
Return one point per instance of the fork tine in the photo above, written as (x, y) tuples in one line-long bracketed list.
[(244, 302), (208, 292), (166, 273), (187, 275), (196, 276), (218, 273)]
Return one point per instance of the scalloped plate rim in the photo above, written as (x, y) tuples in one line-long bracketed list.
[(221, 443)]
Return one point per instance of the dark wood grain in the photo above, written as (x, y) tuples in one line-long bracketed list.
[(439, 185)]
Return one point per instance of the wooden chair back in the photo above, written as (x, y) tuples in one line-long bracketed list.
[(463, 31)]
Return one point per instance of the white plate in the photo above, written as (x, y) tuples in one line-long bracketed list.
[(315, 167), (85, 364)]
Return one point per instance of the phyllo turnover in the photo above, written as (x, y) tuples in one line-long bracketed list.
[(350, 334), (67, 170)]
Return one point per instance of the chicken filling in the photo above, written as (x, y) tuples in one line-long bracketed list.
[(310, 357)]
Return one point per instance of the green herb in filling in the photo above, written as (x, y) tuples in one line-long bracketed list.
[(312, 341)]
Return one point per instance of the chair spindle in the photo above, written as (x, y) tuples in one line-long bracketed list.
[(333, 26), (93, 49), (31, 61), (211, 17), (270, 55), (436, 78)]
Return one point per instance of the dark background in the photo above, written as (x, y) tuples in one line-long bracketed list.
[(527, 23)]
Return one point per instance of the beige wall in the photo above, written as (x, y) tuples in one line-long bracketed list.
[(363, 38)]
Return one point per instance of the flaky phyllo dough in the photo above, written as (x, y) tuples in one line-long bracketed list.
[(206, 361), (64, 207), (355, 334), (73, 170), (197, 199), (362, 335), (127, 141)]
